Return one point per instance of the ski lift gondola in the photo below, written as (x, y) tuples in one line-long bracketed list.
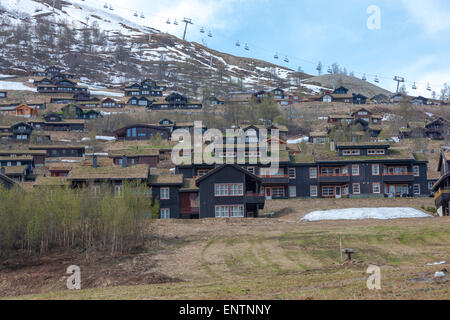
[(275, 56), (286, 59), (414, 87), (428, 87), (175, 22), (142, 15), (246, 47), (168, 21), (330, 70), (136, 14), (238, 44), (111, 7), (202, 30), (105, 6), (210, 34), (376, 79), (364, 77)]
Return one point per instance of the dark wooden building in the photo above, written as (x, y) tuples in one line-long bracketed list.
[(60, 151), (441, 188), (142, 132)]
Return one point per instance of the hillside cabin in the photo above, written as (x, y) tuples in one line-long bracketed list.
[(60, 151), (142, 132)]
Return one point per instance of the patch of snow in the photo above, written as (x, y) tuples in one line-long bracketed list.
[(429, 114), (106, 138), (436, 263), (365, 213), (440, 274), (395, 139), (107, 93), (299, 140), (11, 85)]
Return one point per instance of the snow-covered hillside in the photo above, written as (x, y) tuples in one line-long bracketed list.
[(105, 47)]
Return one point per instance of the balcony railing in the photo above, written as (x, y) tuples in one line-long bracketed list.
[(390, 174), (325, 175), (441, 192), (274, 176), (254, 195)]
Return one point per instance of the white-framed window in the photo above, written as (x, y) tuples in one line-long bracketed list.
[(229, 190), (165, 213), (355, 152), (278, 192), (355, 170), (375, 169), (416, 171), (292, 173), (430, 185), (328, 191), (292, 191), (165, 194), (372, 152), (356, 188), (376, 187), (313, 173), (416, 189), (236, 211), (313, 191)]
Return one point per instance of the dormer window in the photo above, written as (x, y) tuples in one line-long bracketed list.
[(372, 152), (349, 152)]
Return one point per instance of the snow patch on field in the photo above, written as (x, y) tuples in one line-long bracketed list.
[(365, 213), (107, 93), (11, 85)]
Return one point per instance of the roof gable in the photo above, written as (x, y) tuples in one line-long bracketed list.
[(220, 168)]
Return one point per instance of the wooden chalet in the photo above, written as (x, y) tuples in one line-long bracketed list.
[(110, 103), (229, 191), (141, 101), (175, 101), (53, 72), (441, 188), (319, 137), (55, 122), (147, 87), (380, 99), (19, 132), (62, 86), (367, 116), (95, 175), (21, 110), (132, 157), (38, 156), (340, 90), (359, 98), (142, 132), (60, 151)]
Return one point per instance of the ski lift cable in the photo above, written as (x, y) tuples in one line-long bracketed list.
[(291, 57)]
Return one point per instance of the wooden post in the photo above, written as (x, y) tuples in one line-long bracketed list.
[(340, 246)]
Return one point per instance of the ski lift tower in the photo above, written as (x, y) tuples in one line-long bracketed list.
[(186, 21), (399, 80)]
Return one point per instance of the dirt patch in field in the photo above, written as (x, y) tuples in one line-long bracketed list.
[(20, 276)]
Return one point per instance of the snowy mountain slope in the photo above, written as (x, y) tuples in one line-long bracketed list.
[(128, 52)]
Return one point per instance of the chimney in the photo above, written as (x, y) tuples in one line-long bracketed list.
[(2, 170), (124, 161), (94, 161), (332, 145)]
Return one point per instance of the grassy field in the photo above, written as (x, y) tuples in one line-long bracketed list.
[(278, 258)]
